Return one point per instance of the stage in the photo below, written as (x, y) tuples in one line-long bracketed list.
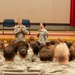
[(53, 35)]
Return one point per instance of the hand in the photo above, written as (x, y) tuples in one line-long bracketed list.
[(20, 28)]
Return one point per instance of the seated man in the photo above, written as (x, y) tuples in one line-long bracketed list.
[(20, 58), (46, 57), (35, 57), (9, 55), (20, 31), (62, 65)]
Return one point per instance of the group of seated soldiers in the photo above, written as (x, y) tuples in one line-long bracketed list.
[(56, 57)]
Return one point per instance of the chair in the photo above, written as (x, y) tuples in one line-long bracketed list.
[(13, 70), (20, 73), (34, 70), (8, 23), (26, 23)]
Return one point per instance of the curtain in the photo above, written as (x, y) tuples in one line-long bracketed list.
[(72, 14)]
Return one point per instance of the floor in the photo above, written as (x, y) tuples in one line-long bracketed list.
[(52, 34)]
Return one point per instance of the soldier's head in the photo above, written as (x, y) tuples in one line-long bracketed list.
[(72, 53), (22, 52), (61, 53), (59, 40), (36, 49), (9, 53), (52, 42), (22, 43), (19, 21), (31, 39), (45, 54), (42, 25)]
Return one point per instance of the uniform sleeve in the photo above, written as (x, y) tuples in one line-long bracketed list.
[(24, 30), (46, 36), (16, 30)]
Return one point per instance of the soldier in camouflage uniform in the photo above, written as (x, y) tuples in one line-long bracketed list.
[(20, 31), (9, 63), (62, 66), (43, 34)]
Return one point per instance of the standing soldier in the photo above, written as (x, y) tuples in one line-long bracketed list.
[(43, 34), (20, 31)]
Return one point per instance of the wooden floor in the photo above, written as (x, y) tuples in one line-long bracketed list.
[(34, 33), (52, 34)]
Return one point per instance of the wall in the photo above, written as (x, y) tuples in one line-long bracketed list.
[(48, 11)]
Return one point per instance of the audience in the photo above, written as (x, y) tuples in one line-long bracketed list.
[(55, 57), (9, 55), (46, 58), (61, 54)]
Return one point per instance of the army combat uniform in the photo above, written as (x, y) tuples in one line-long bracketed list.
[(43, 36), (20, 35)]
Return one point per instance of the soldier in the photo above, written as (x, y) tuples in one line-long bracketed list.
[(43, 34), (62, 66), (20, 31), (45, 62), (22, 53), (9, 63)]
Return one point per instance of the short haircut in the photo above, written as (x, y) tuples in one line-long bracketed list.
[(9, 52), (52, 42), (47, 43), (61, 52), (72, 53), (44, 24), (23, 51), (31, 38), (22, 43), (15, 48), (36, 49), (42, 46), (32, 43), (45, 54), (69, 44)]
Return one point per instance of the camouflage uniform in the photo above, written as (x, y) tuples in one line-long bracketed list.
[(43, 36), (12, 65), (29, 55), (20, 35), (35, 58), (1, 60), (58, 68)]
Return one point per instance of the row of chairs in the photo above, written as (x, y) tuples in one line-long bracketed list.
[(19, 72), (11, 23)]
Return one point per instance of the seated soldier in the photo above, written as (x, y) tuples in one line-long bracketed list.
[(46, 57), (1, 53), (62, 65), (22, 43), (19, 44), (30, 51), (22, 53), (9, 55), (35, 57)]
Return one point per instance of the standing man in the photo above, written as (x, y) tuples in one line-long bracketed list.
[(43, 34), (20, 31)]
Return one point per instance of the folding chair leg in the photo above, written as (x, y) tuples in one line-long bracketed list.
[(3, 29), (29, 30)]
